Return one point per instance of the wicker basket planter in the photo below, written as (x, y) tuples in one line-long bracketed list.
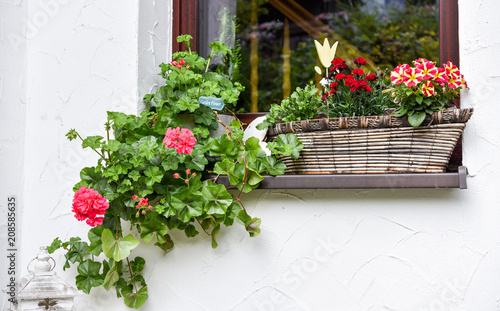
[(374, 144)]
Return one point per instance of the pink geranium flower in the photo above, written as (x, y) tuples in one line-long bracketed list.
[(186, 142), (88, 204), (182, 140), (171, 137)]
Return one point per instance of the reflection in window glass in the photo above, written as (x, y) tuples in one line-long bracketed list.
[(276, 38)]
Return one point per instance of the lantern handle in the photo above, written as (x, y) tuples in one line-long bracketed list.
[(53, 262), (29, 265), (36, 258)]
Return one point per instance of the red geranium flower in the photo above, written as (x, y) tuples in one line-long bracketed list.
[(88, 204)]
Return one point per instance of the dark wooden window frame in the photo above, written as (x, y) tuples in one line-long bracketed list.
[(185, 21)]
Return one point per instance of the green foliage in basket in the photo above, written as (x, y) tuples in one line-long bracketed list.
[(303, 104), (156, 173)]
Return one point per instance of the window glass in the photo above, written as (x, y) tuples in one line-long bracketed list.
[(276, 38)]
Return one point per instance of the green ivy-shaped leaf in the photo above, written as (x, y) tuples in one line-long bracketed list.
[(151, 228), (135, 299), (166, 243), (88, 276), (137, 161), (111, 278), (148, 147), (214, 235), (272, 166), (93, 142), (187, 103), (112, 145), (154, 175), (118, 249), (187, 205), (287, 144), (77, 251), (217, 199), (94, 236), (137, 265), (224, 167), (55, 245), (232, 213), (252, 149), (191, 231)]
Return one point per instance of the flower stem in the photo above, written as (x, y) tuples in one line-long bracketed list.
[(100, 154)]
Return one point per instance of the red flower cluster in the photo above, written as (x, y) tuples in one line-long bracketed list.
[(357, 84), (179, 64), (186, 180), (338, 64), (355, 81), (143, 203), (88, 204), (360, 61), (181, 139)]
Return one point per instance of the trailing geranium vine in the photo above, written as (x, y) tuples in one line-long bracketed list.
[(157, 173)]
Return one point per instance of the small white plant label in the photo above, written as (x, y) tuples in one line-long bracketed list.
[(212, 102)]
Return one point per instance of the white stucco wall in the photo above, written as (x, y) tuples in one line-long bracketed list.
[(318, 250)]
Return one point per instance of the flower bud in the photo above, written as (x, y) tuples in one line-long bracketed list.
[(176, 175), (194, 174), (134, 197), (187, 181), (173, 63), (144, 212), (182, 62), (179, 66), (188, 171)]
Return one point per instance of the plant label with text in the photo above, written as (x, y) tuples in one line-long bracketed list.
[(212, 102)]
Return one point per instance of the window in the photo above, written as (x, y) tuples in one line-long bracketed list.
[(186, 19), (303, 19)]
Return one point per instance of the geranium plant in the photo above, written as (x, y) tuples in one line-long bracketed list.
[(158, 173), (424, 88)]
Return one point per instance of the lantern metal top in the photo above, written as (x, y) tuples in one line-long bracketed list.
[(42, 281)]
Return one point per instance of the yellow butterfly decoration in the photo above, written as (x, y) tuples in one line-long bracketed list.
[(326, 53)]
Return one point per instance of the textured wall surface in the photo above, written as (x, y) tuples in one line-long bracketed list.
[(319, 250)]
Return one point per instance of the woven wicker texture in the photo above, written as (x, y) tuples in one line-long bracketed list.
[(362, 150), (331, 124)]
